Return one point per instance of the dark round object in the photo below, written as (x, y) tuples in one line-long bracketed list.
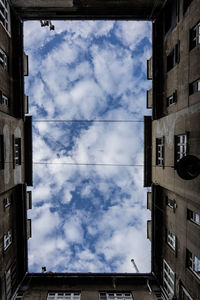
[(188, 167)]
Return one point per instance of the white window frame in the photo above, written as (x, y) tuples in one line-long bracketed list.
[(7, 240), (196, 34), (194, 217), (171, 240), (3, 59), (5, 15), (160, 151), (181, 146), (4, 100), (17, 151), (171, 99), (184, 292), (64, 296), (168, 280), (194, 263), (115, 296), (7, 201), (8, 284)]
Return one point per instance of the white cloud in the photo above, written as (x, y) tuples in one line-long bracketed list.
[(89, 218)]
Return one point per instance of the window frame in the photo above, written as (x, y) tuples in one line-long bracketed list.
[(182, 292), (192, 261), (172, 99), (160, 151), (1, 151), (116, 296), (8, 281), (194, 87), (168, 272), (64, 294), (173, 57), (171, 239), (181, 147), (5, 15), (191, 216), (195, 36), (16, 151), (3, 59), (7, 201), (7, 240), (171, 203)]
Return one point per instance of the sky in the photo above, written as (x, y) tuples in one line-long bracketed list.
[(88, 218)]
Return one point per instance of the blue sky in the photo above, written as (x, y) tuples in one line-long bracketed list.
[(88, 218)]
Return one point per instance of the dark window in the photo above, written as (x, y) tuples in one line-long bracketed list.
[(17, 151), (160, 151), (1, 152), (195, 36), (171, 203), (173, 57), (171, 15), (186, 3), (184, 295), (172, 99), (194, 87)]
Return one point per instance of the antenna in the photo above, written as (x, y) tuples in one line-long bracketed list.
[(135, 266)]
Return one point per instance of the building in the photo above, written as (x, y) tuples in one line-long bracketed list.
[(172, 132), (15, 154)]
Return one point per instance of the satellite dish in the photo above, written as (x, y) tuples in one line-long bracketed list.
[(188, 167)]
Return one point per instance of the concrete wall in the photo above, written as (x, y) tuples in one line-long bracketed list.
[(183, 117), (37, 286), (87, 9)]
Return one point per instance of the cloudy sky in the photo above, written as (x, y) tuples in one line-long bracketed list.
[(88, 218)]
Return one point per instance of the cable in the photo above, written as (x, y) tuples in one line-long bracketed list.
[(86, 121)]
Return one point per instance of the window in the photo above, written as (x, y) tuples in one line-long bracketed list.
[(171, 203), (171, 240), (3, 59), (7, 201), (7, 240), (3, 99), (1, 152), (160, 151), (184, 295), (17, 151), (171, 15), (4, 14), (63, 296), (8, 285), (181, 146), (186, 3), (171, 99), (193, 216), (115, 296), (168, 279), (19, 295), (194, 87), (173, 58), (195, 36), (193, 263)]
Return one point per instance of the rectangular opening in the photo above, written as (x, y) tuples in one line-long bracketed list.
[(88, 211)]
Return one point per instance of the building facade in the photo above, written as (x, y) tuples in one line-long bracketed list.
[(15, 154), (174, 133)]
